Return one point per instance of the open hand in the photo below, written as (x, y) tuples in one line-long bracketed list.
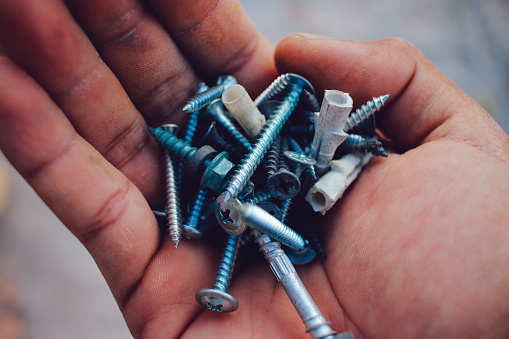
[(418, 246)]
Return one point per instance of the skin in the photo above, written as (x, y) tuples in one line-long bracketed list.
[(417, 247)]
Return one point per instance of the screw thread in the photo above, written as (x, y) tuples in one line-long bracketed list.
[(283, 164), (203, 99), (272, 158), (285, 208), (265, 138), (356, 142), (173, 216), (224, 274), (311, 101), (364, 112), (262, 221), (194, 215), (175, 146), (277, 86), (192, 123), (258, 197)]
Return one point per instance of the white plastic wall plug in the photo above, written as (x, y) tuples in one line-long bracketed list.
[(329, 134), (331, 186), (243, 109)]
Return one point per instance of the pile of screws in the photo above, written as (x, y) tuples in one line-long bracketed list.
[(252, 163)]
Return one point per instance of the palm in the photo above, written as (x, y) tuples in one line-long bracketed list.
[(397, 243)]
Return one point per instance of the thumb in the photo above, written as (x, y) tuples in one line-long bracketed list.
[(424, 104)]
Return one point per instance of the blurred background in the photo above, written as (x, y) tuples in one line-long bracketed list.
[(61, 292)]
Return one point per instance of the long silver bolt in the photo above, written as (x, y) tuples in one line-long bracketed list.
[(216, 298), (285, 273), (266, 137), (173, 216), (364, 112), (203, 99), (259, 219)]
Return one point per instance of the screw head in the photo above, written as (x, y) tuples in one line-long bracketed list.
[(301, 257), (228, 216), (298, 80), (300, 158), (283, 185), (216, 300)]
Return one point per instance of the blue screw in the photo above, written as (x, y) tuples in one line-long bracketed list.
[(192, 123), (216, 298), (203, 99), (191, 227)]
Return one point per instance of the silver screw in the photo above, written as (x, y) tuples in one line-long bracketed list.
[(259, 219), (364, 112), (203, 99), (279, 85), (266, 137), (356, 142), (285, 273), (216, 298), (173, 216)]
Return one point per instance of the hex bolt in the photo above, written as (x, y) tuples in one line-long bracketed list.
[(203, 99), (216, 298), (285, 273), (215, 168), (243, 109), (266, 137), (356, 142), (173, 217), (215, 111), (364, 112)]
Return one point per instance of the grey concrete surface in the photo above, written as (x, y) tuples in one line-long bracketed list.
[(63, 292)]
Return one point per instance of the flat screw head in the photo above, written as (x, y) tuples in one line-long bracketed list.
[(301, 257), (228, 216), (300, 158), (216, 300)]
